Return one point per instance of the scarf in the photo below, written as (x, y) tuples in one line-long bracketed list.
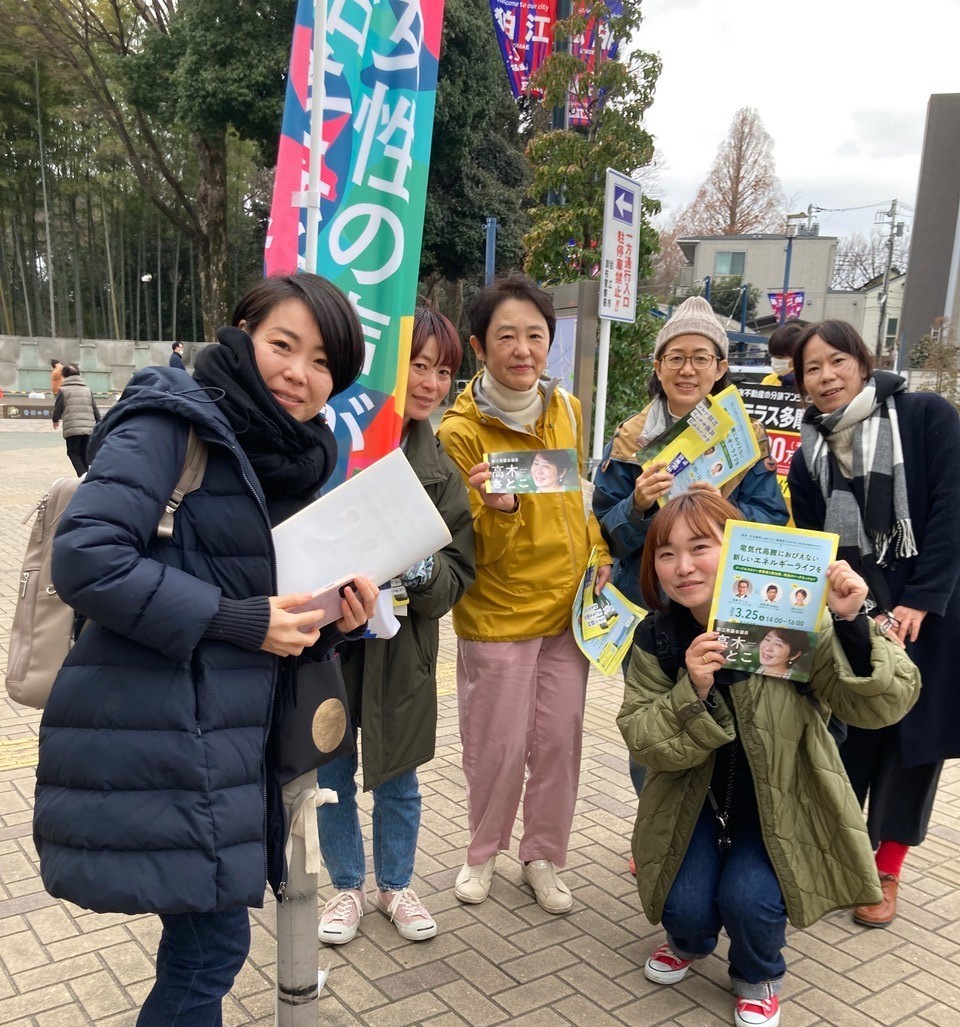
[(870, 510), (292, 459)]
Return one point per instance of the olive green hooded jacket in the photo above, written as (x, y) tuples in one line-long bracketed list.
[(811, 821)]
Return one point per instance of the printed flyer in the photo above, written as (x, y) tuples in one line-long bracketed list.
[(533, 470), (680, 445), (770, 595), (603, 624), (728, 455)]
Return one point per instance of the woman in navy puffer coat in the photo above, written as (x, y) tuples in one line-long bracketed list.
[(154, 786)]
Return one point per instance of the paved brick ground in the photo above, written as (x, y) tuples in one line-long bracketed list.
[(503, 962)]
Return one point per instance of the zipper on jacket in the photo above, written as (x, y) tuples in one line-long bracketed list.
[(273, 695)]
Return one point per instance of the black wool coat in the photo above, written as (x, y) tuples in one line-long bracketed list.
[(930, 435)]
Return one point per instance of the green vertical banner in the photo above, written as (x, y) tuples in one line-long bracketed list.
[(380, 78)]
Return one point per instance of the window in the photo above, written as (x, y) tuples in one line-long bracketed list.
[(891, 338), (726, 263)]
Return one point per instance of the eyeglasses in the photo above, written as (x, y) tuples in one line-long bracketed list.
[(700, 361)]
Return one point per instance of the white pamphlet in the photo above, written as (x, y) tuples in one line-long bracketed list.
[(376, 525)]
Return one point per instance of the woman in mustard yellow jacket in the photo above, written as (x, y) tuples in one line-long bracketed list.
[(521, 679)]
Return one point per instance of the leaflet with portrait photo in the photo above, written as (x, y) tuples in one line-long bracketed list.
[(603, 624), (680, 445), (732, 453), (530, 471), (770, 595)]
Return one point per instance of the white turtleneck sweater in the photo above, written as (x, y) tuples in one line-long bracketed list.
[(524, 407)]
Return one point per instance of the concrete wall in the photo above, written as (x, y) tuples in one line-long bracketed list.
[(105, 364), (933, 277)]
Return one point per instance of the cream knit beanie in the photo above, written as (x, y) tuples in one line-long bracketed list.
[(693, 317)]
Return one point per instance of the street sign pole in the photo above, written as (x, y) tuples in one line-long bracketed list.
[(618, 280)]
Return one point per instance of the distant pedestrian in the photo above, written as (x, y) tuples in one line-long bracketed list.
[(176, 357), (56, 376), (77, 409)]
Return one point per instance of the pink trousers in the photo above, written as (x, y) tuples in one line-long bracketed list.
[(521, 720)]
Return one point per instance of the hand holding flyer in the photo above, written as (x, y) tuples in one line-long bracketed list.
[(532, 471), (770, 595), (603, 623)]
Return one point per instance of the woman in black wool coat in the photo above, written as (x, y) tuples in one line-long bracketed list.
[(878, 465)]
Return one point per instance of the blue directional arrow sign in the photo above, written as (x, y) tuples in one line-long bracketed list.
[(621, 249)]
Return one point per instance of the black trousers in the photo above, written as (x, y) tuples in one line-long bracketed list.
[(900, 798), (77, 451)]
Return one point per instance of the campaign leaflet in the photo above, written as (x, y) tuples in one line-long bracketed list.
[(603, 624), (729, 455), (770, 595), (533, 470), (680, 445)]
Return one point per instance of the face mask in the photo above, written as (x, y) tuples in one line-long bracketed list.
[(781, 365)]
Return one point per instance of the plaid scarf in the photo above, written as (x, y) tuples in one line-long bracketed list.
[(870, 511)]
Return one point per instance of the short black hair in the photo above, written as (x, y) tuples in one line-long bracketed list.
[(173, 348), (69, 369), (783, 341), (336, 319), (54, 361), (841, 336), (514, 286)]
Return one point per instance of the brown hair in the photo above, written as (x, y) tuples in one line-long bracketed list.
[(427, 322), (705, 511), (841, 336), (783, 341)]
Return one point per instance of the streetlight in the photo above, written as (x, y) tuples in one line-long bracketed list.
[(147, 279), (791, 232)]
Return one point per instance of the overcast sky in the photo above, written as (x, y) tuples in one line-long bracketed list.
[(841, 85)]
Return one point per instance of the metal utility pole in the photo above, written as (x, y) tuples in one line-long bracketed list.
[(46, 210), (896, 228), (490, 253)]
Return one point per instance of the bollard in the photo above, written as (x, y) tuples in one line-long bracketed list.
[(298, 981)]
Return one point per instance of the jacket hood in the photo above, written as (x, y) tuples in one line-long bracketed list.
[(170, 391), (480, 410)]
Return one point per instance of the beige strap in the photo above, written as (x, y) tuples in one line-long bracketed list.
[(191, 477)]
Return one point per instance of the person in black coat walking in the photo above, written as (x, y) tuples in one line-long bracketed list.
[(878, 465), (176, 356), (156, 791)]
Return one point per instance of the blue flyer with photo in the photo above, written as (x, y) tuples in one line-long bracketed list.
[(770, 595)]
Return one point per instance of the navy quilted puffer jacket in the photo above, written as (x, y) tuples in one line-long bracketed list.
[(151, 781)]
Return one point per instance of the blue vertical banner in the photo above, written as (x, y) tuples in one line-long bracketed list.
[(379, 63)]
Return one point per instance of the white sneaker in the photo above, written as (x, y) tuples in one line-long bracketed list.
[(341, 917), (551, 893), (407, 913), (473, 883)]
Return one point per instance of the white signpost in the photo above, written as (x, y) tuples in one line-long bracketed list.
[(618, 279)]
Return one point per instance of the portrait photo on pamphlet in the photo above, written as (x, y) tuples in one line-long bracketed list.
[(530, 471), (770, 596)]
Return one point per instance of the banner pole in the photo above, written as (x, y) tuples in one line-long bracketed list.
[(316, 136)]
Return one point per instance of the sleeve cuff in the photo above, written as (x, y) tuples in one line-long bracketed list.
[(854, 638), (242, 622)]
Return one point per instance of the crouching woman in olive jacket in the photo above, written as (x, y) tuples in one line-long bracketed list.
[(747, 817)]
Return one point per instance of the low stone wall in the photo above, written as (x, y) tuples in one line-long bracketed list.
[(105, 364)]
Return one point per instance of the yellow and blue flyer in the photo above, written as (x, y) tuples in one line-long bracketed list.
[(770, 595), (728, 455), (603, 624), (681, 445)]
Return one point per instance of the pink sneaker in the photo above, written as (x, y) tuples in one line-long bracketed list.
[(665, 966), (753, 1012), (407, 913), (341, 917)]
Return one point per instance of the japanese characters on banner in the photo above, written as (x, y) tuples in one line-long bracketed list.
[(794, 303), (524, 31), (780, 411), (621, 239), (380, 80)]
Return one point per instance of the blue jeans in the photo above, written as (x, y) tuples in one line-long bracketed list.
[(738, 891), (396, 825), (199, 956)]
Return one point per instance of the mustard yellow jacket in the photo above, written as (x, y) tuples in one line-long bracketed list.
[(529, 563)]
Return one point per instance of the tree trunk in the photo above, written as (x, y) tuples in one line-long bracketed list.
[(212, 237)]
